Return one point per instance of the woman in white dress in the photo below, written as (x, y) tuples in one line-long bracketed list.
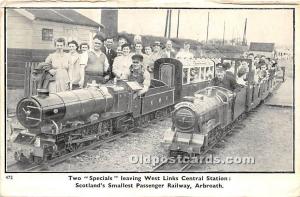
[(75, 68), (60, 62)]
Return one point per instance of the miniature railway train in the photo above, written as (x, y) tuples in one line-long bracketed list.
[(59, 123), (201, 120)]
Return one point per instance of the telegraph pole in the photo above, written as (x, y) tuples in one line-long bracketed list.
[(166, 26), (178, 23), (224, 34), (207, 27), (245, 32), (170, 23)]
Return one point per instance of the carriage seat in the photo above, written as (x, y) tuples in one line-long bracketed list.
[(156, 83)]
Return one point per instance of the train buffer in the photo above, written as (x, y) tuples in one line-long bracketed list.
[(283, 96)]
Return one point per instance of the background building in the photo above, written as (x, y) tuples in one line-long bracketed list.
[(31, 34), (266, 49)]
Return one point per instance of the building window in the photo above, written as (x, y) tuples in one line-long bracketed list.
[(47, 34)]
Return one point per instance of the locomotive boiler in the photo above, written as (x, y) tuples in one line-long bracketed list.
[(197, 121), (60, 107)]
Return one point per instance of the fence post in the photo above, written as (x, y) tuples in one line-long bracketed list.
[(29, 84), (283, 73), (27, 80), (32, 83)]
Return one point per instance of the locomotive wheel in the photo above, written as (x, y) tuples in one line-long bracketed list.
[(145, 121), (20, 157), (107, 135), (192, 155), (37, 160), (104, 128), (173, 153), (123, 124), (137, 122), (159, 115)]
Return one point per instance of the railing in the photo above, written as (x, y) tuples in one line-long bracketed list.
[(30, 86), (283, 73)]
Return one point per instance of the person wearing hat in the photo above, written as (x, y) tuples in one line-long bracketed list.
[(95, 65), (139, 73), (223, 80), (185, 52), (156, 54), (229, 69), (138, 47)]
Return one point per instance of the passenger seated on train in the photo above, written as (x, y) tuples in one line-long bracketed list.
[(251, 56), (138, 72), (224, 80), (243, 74), (185, 52), (255, 61), (194, 75), (262, 72), (229, 69)]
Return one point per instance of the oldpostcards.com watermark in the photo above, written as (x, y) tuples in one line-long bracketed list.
[(208, 159)]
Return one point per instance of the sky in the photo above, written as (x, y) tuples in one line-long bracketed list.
[(262, 25)]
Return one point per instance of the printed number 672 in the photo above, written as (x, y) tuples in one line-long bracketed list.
[(9, 177)]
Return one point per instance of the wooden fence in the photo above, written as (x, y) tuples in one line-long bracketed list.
[(30, 86)]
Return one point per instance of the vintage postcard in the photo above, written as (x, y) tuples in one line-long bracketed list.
[(149, 99)]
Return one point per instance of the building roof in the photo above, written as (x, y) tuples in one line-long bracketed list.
[(260, 46), (63, 16)]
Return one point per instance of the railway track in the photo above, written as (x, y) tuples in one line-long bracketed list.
[(53, 162), (176, 167), (19, 167)]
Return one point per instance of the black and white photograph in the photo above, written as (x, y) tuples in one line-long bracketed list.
[(149, 99), (149, 90)]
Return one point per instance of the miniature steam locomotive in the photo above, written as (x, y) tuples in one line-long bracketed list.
[(58, 123), (201, 120)]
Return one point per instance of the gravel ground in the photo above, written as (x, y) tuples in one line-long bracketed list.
[(115, 156), (268, 140)]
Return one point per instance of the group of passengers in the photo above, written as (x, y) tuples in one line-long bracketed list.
[(262, 69), (102, 62)]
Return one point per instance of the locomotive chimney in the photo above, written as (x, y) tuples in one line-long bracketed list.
[(42, 93)]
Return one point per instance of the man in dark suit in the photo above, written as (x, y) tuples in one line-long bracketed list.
[(110, 54), (224, 79), (169, 51)]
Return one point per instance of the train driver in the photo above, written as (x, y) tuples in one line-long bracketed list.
[(139, 73), (223, 79)]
